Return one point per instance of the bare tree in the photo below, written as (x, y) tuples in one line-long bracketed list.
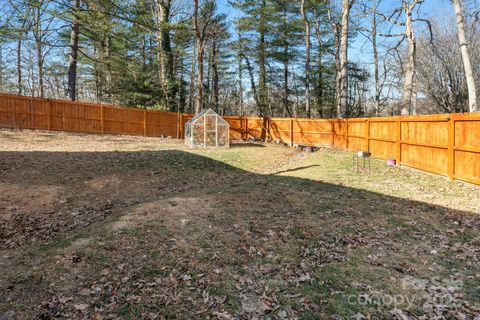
[(371, 34), (336, 26), (407, 103), (38, 34), (21, 34), (376, 72), (342, 107), (191, 96), (472, 93), (408, 93), (440, 72)]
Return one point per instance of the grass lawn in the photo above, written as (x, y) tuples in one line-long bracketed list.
[(113, 227)]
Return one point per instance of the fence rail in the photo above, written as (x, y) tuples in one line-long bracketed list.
[(446, 144)]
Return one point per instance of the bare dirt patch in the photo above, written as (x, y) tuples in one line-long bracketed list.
[(174, 212)]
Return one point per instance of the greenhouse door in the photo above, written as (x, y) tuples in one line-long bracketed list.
[(210, 132)]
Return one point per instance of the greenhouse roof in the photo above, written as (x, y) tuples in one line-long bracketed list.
[(203, 113)]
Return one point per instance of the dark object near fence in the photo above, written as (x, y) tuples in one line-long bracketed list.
[(391, 162), (361, 161)]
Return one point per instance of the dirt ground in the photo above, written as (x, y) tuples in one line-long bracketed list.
[(115, 227)]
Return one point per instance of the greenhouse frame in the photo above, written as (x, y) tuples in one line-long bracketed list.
[(207, 129)]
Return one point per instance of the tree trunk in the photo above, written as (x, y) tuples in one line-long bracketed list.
[(307, 59), (240, 73), (215, 86), (319, 93), (199, 43), (144, 52), (208, 85), (472, 92), (199, 103), (19, 59), (375, 62), (347, 4), (286, 62), (408, 94), (1, 69), (108, 63), (252, 84), (72, 63), (96, 75), (285, 81), (165, 55), (262, 85), (39, 47), (414, 95), (191, 96), (31, 73), (338, 68)]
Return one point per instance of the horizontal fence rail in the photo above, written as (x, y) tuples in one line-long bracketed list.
[(447, 144)]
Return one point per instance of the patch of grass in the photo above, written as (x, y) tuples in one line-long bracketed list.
[(151, 273), (54, 246), (308, 315), (98, 259), (204, 245), (130, 311), (134, 232), (22, 278), (468, 235), (450, 262), (226, 289), (252, 227), (195, 275), (297, 233), (332, 285), (472, 290)]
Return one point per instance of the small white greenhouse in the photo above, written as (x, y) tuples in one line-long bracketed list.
[(207, 129)]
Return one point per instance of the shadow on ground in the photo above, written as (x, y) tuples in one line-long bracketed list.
[(246, 144), (172, 234)]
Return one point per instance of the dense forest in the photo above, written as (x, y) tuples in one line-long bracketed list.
[(262, 57)]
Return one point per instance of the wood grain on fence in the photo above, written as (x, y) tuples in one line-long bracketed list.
[(447, 144)]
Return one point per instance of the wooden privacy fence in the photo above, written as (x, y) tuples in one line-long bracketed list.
[(448, 144)]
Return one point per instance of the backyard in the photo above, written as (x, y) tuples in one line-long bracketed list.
[(123, 227)]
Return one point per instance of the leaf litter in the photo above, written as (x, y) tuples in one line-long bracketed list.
[(142, 233)]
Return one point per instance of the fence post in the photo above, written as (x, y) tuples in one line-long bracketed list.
[(368, 135), (246, 128), (178, 124), (334, 132), (102, 120), (451, 147), (268, 129), (14, 124), (181, 127), (346, 133), (291, 132), (398, 144), (49, 115), (144, 122)]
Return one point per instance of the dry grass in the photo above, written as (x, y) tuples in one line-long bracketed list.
[(130, 227)]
